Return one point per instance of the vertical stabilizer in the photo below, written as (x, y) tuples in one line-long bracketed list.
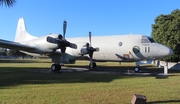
[(21, 32)]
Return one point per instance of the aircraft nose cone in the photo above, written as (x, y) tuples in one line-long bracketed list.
[(167, 51), (170, 51)]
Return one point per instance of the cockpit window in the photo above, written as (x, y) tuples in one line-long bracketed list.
[(151, 40), (146, 39)]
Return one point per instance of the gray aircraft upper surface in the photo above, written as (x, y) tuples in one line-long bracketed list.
[(116, 48)]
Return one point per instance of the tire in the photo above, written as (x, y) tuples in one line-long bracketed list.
[(55, 67), (136, 69)]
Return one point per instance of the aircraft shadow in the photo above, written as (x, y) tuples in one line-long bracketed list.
[(164, 102), (18, 76), (144, 69), (24, 61), (14, 76)]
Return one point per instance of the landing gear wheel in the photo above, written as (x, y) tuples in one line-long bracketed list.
[(55, 67), (94, 65), (137, 69)]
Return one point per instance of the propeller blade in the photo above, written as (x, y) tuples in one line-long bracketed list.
[(90, 39), (91, 54), (91, 59), (52, 40), (72, 45), (96, 49), (64, 28), (63, 49), (61, 43)]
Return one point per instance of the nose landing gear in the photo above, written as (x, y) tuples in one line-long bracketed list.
[(137, 69)]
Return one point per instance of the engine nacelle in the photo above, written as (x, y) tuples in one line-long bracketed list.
[(66, 59), (42, 44)]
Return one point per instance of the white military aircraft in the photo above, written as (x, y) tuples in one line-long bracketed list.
[(117, 48)]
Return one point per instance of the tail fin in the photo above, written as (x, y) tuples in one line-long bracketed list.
[(21, 32)]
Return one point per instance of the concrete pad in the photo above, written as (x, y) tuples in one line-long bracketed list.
[(161, 76)]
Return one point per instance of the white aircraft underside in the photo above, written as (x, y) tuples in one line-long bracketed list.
[(116, 48)]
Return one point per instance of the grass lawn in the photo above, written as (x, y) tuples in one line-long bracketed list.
[(22, 81)]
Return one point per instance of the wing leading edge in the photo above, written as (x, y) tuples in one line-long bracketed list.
[(18, 46)]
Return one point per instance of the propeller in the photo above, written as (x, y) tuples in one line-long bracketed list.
[(61, 41), (63, 48), (91, 50)]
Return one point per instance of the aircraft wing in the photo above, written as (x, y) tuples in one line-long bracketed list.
[(16, 46)]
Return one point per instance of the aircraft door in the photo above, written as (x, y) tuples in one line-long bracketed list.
[(140, 52), (136, 52)]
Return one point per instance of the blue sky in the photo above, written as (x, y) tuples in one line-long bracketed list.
[(101, 17)]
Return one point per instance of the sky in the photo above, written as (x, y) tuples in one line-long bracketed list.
[(101, 17)]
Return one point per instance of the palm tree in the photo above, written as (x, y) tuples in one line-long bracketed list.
[(8, 3)]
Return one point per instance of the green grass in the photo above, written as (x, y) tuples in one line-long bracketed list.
[(23, 82)]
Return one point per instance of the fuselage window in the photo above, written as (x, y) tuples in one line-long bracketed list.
[(148, 49), (120, 43)]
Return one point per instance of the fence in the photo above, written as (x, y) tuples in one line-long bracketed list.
[(170, 65)]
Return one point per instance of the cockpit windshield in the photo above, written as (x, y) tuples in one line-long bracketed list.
[(146, 39), (151, 40)]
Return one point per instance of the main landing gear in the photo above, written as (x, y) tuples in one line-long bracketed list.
[(55, 67)]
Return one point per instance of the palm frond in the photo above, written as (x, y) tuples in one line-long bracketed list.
[(8, 3)]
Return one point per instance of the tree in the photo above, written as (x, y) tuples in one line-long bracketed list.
[(11, 52), (15, 53), (8, 3), (166, 30), (3, 51)]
